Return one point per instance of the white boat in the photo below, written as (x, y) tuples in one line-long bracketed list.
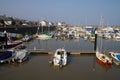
[(43, 36), (21, 55), (27, 38), (60, 57), (114, 55), (117, 38)]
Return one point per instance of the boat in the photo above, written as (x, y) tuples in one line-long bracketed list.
[(114, 55), (10, 43), (117, 38), (27, 38), (21, 55), (13, 43), (103, 58), (7, 56), (43, 36), (60, 57)]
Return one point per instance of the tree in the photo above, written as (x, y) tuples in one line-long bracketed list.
[(13, 22), (1, 21)]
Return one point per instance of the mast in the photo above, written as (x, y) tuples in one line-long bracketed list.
[(101, 25)]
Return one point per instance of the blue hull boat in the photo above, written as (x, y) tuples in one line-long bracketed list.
[(115, 55), (6, 56)]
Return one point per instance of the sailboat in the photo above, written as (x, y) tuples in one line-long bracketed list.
[(43, 36), (101, 57)]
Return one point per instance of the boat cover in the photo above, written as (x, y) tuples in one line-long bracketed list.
[(6, 55), (118, 56)]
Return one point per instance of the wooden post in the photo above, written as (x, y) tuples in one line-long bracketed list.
[(95, 43)]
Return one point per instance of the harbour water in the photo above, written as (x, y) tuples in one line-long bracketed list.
[(76, 44), (79, 67)]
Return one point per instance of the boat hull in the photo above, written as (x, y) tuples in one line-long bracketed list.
[(7, 56), (21, 55), (115, 56), (103, 59), (11, 45)]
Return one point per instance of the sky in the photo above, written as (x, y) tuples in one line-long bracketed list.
[(74, 12)]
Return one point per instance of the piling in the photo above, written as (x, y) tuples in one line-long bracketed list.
[(95, 43)]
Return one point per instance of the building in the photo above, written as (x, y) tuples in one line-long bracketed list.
[(61, 24), (43, 23)]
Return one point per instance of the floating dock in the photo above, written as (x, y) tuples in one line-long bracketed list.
[(50, 52), (71, 52)]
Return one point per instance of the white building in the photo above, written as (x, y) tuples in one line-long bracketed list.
[(50, 24), (61, 24), (43, 23)]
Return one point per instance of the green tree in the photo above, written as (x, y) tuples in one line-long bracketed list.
[(1, 21), (13, 22)]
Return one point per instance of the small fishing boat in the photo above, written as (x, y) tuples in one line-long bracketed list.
[(103, 58), (7, 56), (114, 55), (60, 57)]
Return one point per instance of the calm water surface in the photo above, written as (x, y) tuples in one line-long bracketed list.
[(78, 44), (80, 67)]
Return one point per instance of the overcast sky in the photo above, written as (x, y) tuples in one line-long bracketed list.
[(76, 12)]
